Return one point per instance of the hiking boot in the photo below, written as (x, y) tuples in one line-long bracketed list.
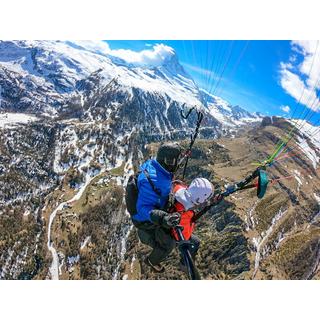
[(155, 267)]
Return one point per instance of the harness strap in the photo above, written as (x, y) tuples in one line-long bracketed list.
[(154, 188)]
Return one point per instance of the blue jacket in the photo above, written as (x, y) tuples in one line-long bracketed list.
[(148, 198)]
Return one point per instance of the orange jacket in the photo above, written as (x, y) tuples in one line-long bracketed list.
[(186, 216)]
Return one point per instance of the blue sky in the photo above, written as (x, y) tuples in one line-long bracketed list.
[(265, 76)]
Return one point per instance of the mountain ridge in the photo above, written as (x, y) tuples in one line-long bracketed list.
[(59, 67)]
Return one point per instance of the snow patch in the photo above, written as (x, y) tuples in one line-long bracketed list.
[(297, 176), (249, 219), (317, 216), (123, 250), (11, 120), (85, 242), (259, 242), (311, 135)]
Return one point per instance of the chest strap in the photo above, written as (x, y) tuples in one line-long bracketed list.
[(154, 188)]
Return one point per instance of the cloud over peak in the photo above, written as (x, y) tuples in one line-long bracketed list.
[(153, 56)]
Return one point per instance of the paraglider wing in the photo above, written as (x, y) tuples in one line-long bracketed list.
[(262, 183)]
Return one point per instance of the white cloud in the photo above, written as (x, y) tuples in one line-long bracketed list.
[(154, 56), (99, 46), (300, 78), (285, 109), (310, 65), (291, 82)]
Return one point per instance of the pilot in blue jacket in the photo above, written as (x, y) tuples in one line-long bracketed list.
[(154, 185)]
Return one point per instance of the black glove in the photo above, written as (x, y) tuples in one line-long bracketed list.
[(162, 218), (171, 220)]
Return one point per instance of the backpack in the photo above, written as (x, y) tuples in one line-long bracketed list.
[(132, 191)]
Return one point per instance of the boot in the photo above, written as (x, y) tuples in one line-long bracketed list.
[(155, 267)]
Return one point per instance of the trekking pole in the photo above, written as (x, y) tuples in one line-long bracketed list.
[(184, 246)]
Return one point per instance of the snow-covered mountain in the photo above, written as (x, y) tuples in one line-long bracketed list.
[(227, 114), (45, 77)]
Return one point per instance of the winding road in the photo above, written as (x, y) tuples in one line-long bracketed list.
[(54, 268)]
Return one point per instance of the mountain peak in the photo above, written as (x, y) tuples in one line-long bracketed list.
[(171, 63)]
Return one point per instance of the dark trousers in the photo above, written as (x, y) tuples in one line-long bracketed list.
[(161, 241)]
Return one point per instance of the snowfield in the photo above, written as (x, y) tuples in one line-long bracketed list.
[(10, 120)]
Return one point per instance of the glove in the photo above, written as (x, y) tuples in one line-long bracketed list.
[(162, 218), (156, 216), (171, 220)]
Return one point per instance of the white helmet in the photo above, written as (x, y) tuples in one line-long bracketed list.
[(199, 191)]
